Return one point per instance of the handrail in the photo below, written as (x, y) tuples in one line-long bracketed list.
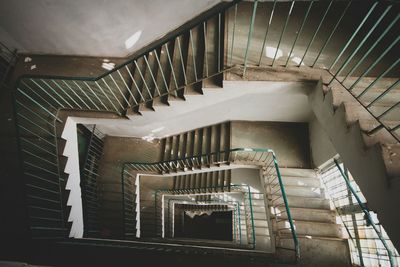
[(229, 187), (367, 214), (254, 155), (236, 203), (43, 96)]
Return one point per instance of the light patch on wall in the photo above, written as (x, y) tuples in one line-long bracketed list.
[(158, 129), (131, 41), (297, 60), (107, 64), (149, 138), (271, 51)]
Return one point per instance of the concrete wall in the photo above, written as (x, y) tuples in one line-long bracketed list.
[(90, 27), (288, 140), (321, 146)]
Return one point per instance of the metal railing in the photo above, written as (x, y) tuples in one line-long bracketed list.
[(89, 182), (231, 205), (369, 243), (7, 61), (201, 52), (263, 158), (370, 50), (247, 201)]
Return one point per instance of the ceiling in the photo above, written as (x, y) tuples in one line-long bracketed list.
[(112, 28)]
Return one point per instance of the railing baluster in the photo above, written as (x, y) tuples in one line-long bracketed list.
[(353, 35), (109, 100), (134, 83), (299, 31), (332, 33), (266, 33), (387, 29), (283, 32), (371, 30), (316, 32), (253, 17)]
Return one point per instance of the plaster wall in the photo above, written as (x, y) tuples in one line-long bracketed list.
[(321, 146), (288, 140)]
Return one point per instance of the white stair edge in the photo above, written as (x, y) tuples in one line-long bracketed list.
[(73, 183)]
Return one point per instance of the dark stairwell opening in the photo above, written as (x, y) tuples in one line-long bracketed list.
[(216, 225)]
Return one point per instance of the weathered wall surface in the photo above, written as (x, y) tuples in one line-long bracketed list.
[(288, 140)]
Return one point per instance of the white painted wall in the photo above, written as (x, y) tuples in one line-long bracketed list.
[(92, 27), (253, 101), (74, 178)]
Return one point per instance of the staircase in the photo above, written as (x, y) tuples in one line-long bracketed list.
[(193, 60), (314, 219), (371, 157)]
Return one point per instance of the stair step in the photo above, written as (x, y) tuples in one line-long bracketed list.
[(307, 228), (332, 252), (301, 181), (308, 202), (314, 215), (298, 172), (302, 191)]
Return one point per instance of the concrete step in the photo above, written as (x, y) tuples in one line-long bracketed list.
[(314, 215), (301, 181), (309, 173), (303, 191), (328, 252), (308, 228), (308, 202), (263, 243), (261, 231)]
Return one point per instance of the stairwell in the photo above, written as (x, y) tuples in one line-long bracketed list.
[(183, 68)]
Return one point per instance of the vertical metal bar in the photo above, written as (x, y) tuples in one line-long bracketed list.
[(378, 78), (283, 31), (367, 214), (178, 40), (52, 89), (375, 63), (144, 81), (354, 34), (332, 33), (219, 42), (119, 89), (347, 61), (316, 32), (34, 92), (151, 74), (127, 87), (78, 96), (91, 90), (193, 54), (389, 109), (115, 97), (172, 68), (266, 32), (161, 70), (253, 16), (371, 48), (233, 34), (299, 31), (134, 82), (109, 100), (76, 103), (47, 93), (205, 47)]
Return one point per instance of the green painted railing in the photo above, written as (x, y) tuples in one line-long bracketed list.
[(370, 243), (229, 188), (224, 39), (263, 158), (237, 221)]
